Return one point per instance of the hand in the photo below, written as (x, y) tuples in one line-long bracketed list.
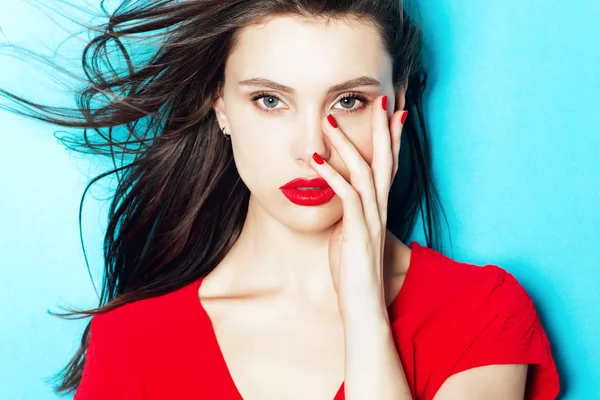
[(357, 241)]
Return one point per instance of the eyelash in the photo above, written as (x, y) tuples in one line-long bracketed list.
[(351, 95)]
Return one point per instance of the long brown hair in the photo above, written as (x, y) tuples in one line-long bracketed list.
[(180, 203)]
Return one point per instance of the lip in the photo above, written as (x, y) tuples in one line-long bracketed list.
[(303, 182), (317, 191)]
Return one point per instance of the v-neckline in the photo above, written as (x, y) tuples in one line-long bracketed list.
[(213, 336)]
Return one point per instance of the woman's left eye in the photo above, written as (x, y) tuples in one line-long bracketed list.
[(347, 101)]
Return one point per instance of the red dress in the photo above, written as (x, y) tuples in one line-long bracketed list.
[(449, 316)]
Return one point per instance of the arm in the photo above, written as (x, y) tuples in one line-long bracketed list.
[(491, 382), (373, 367)]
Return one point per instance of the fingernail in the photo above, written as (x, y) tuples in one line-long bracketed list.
[(332, 121), (317, 158), (404, 115), (384, 102)]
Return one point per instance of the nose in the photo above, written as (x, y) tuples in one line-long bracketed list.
[(310, 138)]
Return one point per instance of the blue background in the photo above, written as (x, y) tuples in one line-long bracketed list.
[(512, 109)]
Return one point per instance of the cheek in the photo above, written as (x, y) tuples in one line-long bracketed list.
[(248, 133), (251, 154), (256, 152)]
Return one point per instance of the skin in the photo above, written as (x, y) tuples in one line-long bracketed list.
[(291, 300)]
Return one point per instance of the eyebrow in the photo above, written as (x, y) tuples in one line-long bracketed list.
[(352, 83)]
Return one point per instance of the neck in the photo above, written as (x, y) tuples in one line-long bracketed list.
[(270, 254)]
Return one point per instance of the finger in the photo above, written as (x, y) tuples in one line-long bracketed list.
[(382, 155), (361, 176), (354, 219), (397, 129)]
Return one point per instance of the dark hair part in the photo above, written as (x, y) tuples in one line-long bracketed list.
[(180, 203)]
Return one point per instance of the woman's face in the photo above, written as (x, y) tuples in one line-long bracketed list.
[(279, 85)]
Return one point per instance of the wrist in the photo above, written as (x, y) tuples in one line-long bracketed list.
[(360, 316)]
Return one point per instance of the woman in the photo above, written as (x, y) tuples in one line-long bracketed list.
[(247, 252)]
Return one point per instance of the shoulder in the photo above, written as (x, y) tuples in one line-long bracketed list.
[(451, 280), (470, 302), (130, 340), (145, 319), (468, 315), (432, 283)]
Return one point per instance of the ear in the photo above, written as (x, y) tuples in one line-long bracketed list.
[(401, 97), (219, 107)]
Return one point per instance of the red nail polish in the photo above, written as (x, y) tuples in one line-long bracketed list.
[(332, 121), (404, 115), (384, 102), (317, 158)]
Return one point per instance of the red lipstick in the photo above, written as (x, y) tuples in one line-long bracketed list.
[(308, 192)]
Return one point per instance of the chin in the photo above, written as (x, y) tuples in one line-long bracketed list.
[(297, 217), (311, 218)]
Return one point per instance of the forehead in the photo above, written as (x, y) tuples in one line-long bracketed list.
[(308, 53)]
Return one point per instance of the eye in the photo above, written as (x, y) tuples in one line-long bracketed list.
[(269, 104), (349, 100)]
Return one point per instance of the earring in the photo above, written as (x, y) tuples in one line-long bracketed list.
[(228, 137)]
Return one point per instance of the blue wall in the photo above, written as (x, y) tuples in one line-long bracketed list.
[(513, 114)]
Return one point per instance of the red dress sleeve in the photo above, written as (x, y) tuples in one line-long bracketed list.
[(511, 333), (109, 371)]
